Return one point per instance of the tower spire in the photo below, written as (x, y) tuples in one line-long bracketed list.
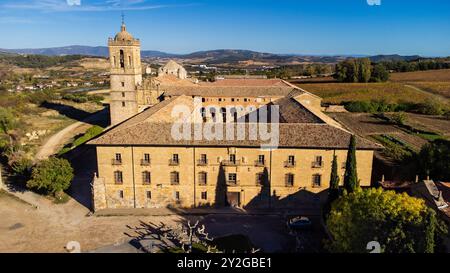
[(123, 27)]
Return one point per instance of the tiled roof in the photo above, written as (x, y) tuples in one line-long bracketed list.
[(227, 91), (248, 82), (290, 136), (303, 130), (291, 111)]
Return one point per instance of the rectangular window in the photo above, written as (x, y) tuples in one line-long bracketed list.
[(202, 178), (123, 94), (233, 158), (123, 104), (177, 195), (318, 163), (291, 159), (146, 178), (119, 157), (118, 177), (232, 178), (260, 179), (117, 160), (175, 158), (204, 195), (261, 159), (289, 180), (149, 195), (203, 159), (317, 181), (174, 178), (121, 194), (290, 163), (147, 157), (123, 84)]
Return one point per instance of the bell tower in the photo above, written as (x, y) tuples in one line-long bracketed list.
[(126, 75)]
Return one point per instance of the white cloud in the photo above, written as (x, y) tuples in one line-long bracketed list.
[(74, 2), (76, 5)]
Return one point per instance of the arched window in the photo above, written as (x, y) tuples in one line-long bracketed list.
[(223, 111), (122, 59)]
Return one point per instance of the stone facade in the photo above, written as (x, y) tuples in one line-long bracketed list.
[(140, 164), (173, 68), (191, 191), (126, 75)]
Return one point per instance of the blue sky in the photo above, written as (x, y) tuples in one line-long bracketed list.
[(278, 26)]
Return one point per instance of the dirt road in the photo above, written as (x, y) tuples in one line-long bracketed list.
[(58, 140)]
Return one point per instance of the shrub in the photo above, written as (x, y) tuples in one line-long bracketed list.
[(400, 223), (52, 176), (431, 107), (399, 118)]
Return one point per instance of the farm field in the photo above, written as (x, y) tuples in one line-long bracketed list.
[(422, 76), (436, 124), (337, 93), (367, 125), (433, 81)]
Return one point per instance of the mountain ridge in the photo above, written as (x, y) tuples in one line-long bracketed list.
[(212, 57)]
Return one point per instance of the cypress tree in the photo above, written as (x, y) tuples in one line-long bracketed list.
[(351, 176), (333, 193)]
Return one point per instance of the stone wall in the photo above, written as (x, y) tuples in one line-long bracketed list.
[(160, 192)]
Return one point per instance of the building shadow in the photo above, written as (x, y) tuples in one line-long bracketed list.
[(98, 118), (84, 162)]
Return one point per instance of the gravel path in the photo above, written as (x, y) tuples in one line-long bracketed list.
[(58, 140)]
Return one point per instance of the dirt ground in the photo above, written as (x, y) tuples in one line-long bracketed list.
[(50, 227)]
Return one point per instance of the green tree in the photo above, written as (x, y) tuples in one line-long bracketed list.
[(365, 70), (434, 160), (53, 175), (379, 74), (333, 193), (400, 223), (351, 182)]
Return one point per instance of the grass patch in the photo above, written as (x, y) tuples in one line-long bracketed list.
[(431, 136), (90, 134)]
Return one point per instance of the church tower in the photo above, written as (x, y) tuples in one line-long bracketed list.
[(126, 75)]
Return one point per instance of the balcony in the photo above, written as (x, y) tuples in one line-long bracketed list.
[(232, 182), (231, 162), (290, 164), (260, 163), (202, 162), (174, 162), (145, 162), (116, 162), (317, 164)]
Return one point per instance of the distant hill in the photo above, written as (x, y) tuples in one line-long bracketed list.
[(395, 57), (211, 57), (100, 51)]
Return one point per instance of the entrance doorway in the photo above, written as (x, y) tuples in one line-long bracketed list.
[(234, 199)]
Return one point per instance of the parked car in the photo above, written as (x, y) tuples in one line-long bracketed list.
[(299, 223)]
